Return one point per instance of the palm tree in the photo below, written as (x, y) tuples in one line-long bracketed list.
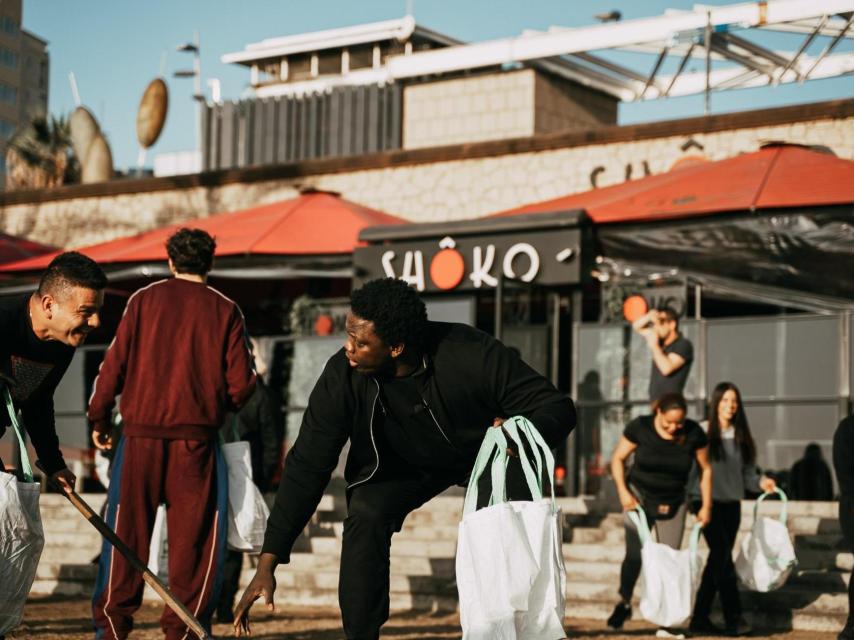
[(39, 156)]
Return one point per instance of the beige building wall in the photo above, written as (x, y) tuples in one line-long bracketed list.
[(494, 106), (566, 106), (428, 192), (499, 106)]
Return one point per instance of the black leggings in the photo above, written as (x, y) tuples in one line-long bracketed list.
[(667, 532), (719, 574), (846, 521)]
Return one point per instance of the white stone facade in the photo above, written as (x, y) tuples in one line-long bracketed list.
[(427, 192)]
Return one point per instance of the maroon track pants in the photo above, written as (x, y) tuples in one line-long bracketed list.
[(183, 474)]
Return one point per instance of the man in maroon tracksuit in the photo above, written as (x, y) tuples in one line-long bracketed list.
[(180, 361)]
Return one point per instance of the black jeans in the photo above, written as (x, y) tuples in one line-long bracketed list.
[(376, 511), (846, 521), (719, 575), (230, 579)]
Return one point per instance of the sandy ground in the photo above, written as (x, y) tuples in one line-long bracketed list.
[(70, 619)]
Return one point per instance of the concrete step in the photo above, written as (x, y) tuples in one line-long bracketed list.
[(773, 620)]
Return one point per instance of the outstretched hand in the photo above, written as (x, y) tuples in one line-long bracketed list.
[(262, 584)]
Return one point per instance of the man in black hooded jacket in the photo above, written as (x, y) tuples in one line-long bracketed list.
[(415, 398)]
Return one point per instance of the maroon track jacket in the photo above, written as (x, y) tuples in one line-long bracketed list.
[(180, 361)]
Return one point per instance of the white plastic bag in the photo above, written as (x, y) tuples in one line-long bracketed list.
[(766, 556), (21, 534), (670, 577), (247, 511), (510, 571), (158, 549)]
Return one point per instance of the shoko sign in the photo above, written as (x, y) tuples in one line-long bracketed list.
[(472, 262)]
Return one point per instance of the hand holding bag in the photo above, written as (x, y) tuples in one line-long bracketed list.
[(766, 556), (670, 577), (21, 534), (510, 571)]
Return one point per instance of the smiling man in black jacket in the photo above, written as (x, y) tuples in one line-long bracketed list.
[(415, 398)]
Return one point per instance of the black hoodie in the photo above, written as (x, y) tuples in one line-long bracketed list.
[(470, 379)]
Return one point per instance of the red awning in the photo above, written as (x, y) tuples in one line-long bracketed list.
[(776, 176), (13, 248), (315, 223)]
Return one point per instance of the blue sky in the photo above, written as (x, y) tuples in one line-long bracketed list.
[(115, 47)]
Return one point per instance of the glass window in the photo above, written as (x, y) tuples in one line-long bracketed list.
[(8, 25), (6, 129), (361, 57), (329, 62), (8, 57), (776, 357), (8, 94)]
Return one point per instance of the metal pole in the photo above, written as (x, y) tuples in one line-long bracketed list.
[(698, 301), (708, 44), (197, 90), (573, 453), (499, 307), (554, 368)]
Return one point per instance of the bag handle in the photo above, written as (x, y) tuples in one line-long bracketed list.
[(493, 440), (638, 518), (26, 467), (783, 498), (694, 541), (519, 427)]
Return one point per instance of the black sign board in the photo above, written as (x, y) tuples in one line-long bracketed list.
[(475, 262)]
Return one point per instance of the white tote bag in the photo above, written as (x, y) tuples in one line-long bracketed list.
[(21, 534), (247, 511), (766, 556), (158, 549), (510, 572), (670, 577)]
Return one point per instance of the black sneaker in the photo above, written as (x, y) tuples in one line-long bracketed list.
[(738, 629), (703, 627), (622, 612)]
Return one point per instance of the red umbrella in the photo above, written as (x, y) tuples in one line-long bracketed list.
[(315, 223), (13, 248), (776, 176)]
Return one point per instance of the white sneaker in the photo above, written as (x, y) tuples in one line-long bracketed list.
[(665, 633)]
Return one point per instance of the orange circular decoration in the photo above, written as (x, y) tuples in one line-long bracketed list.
[(634, 307), (447, 269), (323, 326)]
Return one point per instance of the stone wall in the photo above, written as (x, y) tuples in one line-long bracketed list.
[(498, 106), (563, 106), (437, 185), (493, 106)]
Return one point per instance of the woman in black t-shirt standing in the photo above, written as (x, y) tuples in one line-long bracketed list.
[(665, 446)]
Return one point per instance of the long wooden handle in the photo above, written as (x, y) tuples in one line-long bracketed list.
[(96, 521)]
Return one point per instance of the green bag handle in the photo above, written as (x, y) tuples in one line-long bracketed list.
[(26, 467), (518, 427), (235, 432), (543, 448), (638, 517), (495, 442), (783, 498)]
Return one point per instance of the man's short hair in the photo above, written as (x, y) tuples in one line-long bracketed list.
[(191, 251), (395, 308), (71, 269), (670, 315)]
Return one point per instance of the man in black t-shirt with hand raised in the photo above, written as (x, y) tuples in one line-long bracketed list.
[(672, 353)]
